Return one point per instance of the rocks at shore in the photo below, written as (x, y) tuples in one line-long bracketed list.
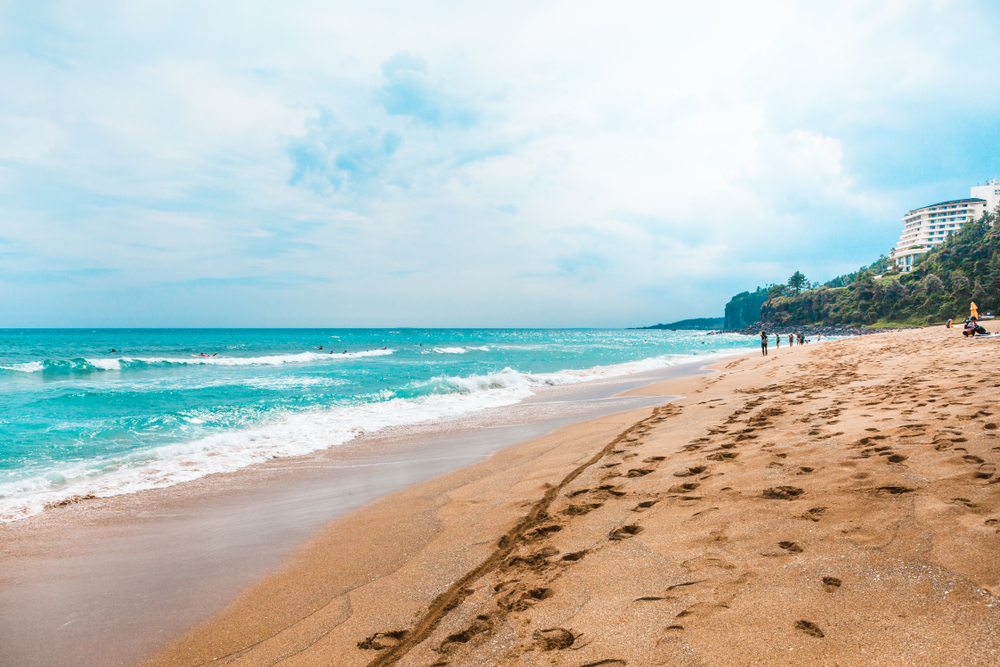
[(810, 330)]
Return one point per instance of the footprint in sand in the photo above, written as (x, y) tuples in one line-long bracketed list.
[(831, 584), (791, 547), (683, 488), (480, 625), (625, 532), (533, 561), (895, 490), (580, 510), (554, 639), (382, 640), (813, 514), (986, 471), (542, 531), (809, 628), (782, 493)]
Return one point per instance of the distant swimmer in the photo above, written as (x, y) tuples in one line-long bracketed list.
[(345, 351), (114, 350), (320, 347)]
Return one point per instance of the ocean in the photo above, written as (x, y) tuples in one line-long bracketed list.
[(105, 412)]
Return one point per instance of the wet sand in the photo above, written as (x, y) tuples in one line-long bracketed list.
[(825, 505), (107, 581)]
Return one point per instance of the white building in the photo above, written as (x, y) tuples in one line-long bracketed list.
[(990, 192), (929, 226)]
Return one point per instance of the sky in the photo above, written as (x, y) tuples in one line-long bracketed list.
[(447, 164)]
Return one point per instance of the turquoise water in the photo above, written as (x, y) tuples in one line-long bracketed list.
[(107, 412)]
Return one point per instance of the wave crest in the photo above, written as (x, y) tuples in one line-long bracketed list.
[(65, 366)]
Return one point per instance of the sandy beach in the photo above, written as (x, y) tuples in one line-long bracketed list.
[(832, 505), (108, 580)]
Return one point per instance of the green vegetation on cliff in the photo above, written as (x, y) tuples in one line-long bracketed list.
[(744, 309), (964, 268)]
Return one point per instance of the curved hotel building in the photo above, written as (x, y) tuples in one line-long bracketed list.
[(926, 227)]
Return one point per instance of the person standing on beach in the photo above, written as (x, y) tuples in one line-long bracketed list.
[(791, 340), (777, 341), (763, 343)]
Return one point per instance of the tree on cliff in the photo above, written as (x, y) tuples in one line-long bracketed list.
[(798, 282)]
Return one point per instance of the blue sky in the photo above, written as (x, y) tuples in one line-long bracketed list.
[(454, 164)]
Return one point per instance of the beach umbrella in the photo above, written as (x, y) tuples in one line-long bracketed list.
[(974, 312)]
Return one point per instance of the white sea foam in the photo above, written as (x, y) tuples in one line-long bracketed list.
[(292, 435), (296, 434), (27, 367), (106, 364), (450, 350), (115, 363), (510, 379)]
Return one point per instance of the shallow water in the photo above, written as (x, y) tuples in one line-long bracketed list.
[(110, 412)]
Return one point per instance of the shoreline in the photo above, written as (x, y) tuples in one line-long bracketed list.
[(834, 504), (152, 556)]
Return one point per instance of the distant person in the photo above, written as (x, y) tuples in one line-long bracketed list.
[(802, 339), (777, 341), (791, 340), (819, 337), (763, 343), (972, 328), (947, 325)]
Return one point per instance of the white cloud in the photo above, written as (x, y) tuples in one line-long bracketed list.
[(524, 164)]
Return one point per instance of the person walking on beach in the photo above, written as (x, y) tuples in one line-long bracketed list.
[(763, 343)]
